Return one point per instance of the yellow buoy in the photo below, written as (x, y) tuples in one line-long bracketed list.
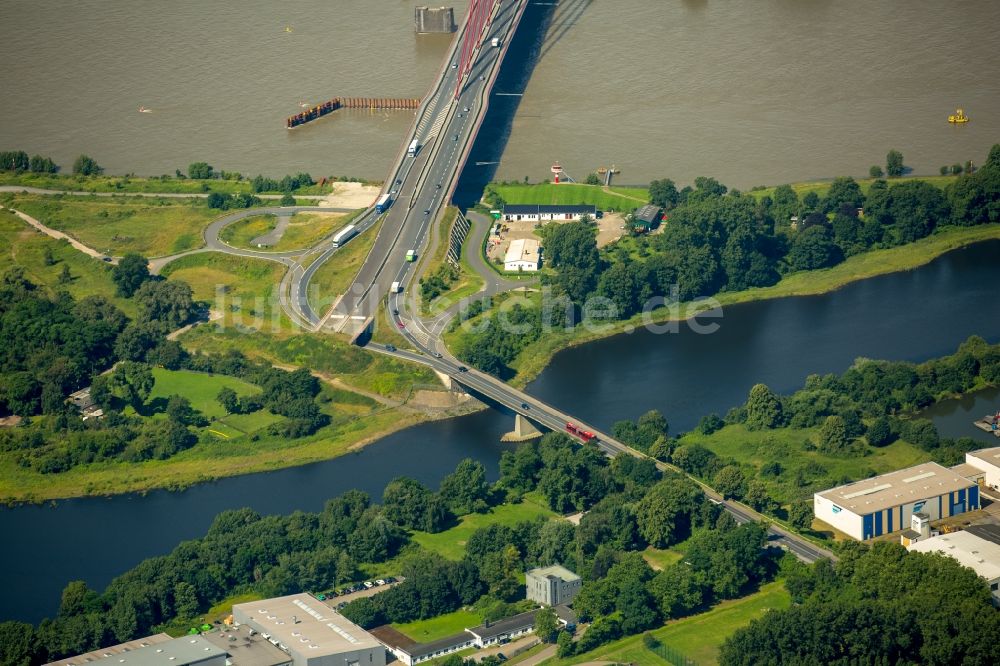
[(958, 117)]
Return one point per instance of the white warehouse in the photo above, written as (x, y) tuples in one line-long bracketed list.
[(986, 461), (886, 503)]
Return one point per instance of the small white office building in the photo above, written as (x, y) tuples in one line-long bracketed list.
[(522, 255)]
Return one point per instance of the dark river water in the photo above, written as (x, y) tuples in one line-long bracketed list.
[(910, 316)]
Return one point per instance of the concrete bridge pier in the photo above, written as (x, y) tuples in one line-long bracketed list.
[(524, 430)]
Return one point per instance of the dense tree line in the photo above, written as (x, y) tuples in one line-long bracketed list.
[(877, 605), (719, 240), (19, 162), (287, 184), (221, 201)]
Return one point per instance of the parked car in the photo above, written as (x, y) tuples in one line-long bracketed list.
[(369, 585), (380, 582)]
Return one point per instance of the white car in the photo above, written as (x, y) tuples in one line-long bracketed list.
[(380, 582), (369, 584)]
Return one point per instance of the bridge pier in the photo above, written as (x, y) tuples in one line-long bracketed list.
[(524, 430)]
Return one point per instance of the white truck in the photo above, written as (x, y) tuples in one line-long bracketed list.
[(396, 288), (495, 41)]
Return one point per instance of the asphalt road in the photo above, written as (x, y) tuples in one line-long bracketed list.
[(420, 185)]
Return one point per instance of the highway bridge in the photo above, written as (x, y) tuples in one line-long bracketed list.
[(421, 185)]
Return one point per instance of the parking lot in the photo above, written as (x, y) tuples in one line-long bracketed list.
[(338, 601)]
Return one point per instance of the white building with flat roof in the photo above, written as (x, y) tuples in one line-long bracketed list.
[(157, 650), (988, 462), (522, 255), (971, 550), (885, 503), (311, 632)]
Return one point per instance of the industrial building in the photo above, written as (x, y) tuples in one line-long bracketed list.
[(552, 586), (986, 461), (310, 632), (410, 652), (501, 631), (522, 255), (158, 650), (246, 647), (886, 503), (646, 218), (546, 213), (977, 547)]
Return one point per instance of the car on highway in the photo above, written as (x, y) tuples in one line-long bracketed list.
[(454, 138), (399, 182), (438, 186), (401, 324), (390, 347), (427, 211), (524, 405), (395, 311), (466, 109), (437, 355), (454, 65), (462, 368)]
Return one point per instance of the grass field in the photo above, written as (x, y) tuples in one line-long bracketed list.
[(451, 542), (334, 277), (306, 229), (617, 198), (755, 448), (151, 227), (806, 283), (21, 245), (661, 559), (698, 637), (199, 388), (424, 631), (245, 290), (468, 282), (241, 232), (127, 184)]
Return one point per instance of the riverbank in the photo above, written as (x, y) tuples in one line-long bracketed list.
[(207, 464), (537, 356)]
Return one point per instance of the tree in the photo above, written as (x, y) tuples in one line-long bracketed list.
[(879, 432), (664, 513), (405, 502), (763, 409), (41, 164), (894, 164), (993, 158), (593, 179), (566, 645), (19, 645), (287, 199), (200, 171), (179, 410), (813, 248), (186, 604), (546, 625), (663, 193), (86, 166), (130, 273), (169, 302), (466, 490), (800, 515), (229, 400), (131, 382), (710, 424), (833, 434), (731, 482), (876, 171)]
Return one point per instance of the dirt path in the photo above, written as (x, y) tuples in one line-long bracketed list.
[(608, 190), (58, 235)]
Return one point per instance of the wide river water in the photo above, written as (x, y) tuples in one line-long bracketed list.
[(750, 92), (908, 316)]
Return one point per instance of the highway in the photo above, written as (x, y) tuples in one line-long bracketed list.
[(422, 185)]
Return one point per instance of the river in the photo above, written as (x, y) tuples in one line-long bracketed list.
[(750, 92), (907, 316)]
